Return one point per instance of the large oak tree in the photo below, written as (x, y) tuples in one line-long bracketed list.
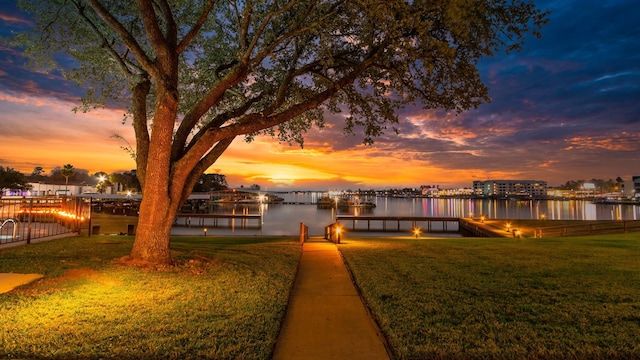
[(199, 73)]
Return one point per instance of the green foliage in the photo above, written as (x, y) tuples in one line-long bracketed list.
[(72, 173), (601, 186), (128, 179), (37, 172), (67, 171), (369, 58), (211, 182), (11, 179)]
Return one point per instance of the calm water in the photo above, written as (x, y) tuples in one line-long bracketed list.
[(280, 219)]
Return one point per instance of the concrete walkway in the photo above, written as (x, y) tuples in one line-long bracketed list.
[(10, 281), (326, 318)]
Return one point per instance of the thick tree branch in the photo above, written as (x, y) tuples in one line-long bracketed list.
[(244, 21), (128, 39), (124, 66), (223, 118), (171, 34), (213, 97), (238, 73), (140, 93), (195, 29), (264, 25), (202, 166), (252, 123), (152, 28), (268, 50)]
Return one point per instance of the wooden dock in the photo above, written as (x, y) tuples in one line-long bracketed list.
[(393, 223), (213, 220)]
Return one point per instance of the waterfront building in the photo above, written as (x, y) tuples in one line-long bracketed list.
[(636, 186), (506, 188), (61, 187)]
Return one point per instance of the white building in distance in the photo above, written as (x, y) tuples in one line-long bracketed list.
[(507, 188)]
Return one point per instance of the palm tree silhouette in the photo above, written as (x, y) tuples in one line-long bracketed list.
[(67, 171)]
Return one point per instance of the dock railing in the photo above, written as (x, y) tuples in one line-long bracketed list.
[(333, 232), (217, 220), (401, 223), (304, 232), (472, 228), (605, 227)]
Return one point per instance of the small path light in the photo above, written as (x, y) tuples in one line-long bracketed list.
[(416, 232), (205, 231), (508, 226)]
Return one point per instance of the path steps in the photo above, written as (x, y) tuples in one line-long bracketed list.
[(326, 318)]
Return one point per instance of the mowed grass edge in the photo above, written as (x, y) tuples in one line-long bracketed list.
[(473, 298), (224, 298)]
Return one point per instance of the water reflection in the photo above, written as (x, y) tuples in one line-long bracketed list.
[(285, 219)]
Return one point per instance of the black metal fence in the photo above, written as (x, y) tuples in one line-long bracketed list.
[(27, 219)]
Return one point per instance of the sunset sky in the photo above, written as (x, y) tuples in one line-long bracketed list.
[(567, 107)]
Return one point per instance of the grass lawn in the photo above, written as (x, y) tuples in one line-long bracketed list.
[(549, 298), (224, 298)]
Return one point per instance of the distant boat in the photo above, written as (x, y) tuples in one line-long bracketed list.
[(243, 197), (327, 202)]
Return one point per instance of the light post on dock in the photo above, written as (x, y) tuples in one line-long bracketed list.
[(261, 199)]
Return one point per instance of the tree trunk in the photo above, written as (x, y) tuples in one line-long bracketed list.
[(151, 244), (158, 207)]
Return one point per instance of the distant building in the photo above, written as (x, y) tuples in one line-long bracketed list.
[(505, 188), (53, 187), (427, 190), (636, 186)]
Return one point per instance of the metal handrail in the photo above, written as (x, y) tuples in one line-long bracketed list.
[(15, 226)]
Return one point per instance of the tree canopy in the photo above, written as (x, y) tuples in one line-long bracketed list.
[(198, 73), (11, 179)]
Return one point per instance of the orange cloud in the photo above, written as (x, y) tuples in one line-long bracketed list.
[(619, 142), (14, 19), (548, 163)]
